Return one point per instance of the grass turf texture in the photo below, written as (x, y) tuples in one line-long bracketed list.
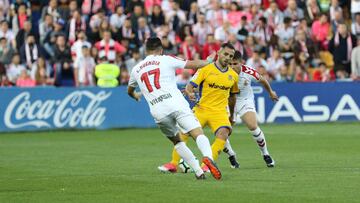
[(315, 163)]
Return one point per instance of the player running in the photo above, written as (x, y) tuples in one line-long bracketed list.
[(217, 83), (245, 108), (155, 76)]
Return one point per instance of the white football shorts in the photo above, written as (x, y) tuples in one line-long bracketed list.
[(183, 120), (244, 106)]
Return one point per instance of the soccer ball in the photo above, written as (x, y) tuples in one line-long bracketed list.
[(184, 167)]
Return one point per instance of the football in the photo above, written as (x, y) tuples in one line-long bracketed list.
[(184, 167)]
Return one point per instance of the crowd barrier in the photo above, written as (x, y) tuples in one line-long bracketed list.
[(49, 108)]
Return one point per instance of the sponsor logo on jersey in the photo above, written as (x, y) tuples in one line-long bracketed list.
[(215, 86), (160, 98)]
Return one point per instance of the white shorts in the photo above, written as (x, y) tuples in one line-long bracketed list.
[(184, 120), (244, 106)]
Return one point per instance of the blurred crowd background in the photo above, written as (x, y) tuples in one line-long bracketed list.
[(61, 42)]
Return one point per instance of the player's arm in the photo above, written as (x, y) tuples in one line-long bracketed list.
[(196, 64), (232, 102), (132, 89), (190, 91), (268, 88)]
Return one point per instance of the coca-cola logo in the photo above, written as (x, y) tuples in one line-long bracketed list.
[(77, 109)]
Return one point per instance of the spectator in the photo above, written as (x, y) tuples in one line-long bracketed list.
[(222, 33), (45, 28), (135, 15), (126, 32), (323, 74), (244, 28), (201, 29), (76, 48), (112, 5), (341, 46), (117, 19), (273, 15), (333, 8), (157, 17), (355, 26), (210, 46), (338, 19), (355, 62), (21, 35), (286, 33), (96, 20), (293, 12), (41, 73), (272, 45), (6, 51), (24, 80), (234, 15), (216, 15), (193, 14), (7, 33), (262, 32), (189, 49), (301, 75), (67, 11), (15, 68), (61, 50), (312, 10), (89, 7), (305, 45), (298, 67), (168, 47), (17, 3), (255, 61), (176, 17), (109, 48), (250, 46), (76, 24), (275, 64), (144, 31), (3, 76), (130, 5), (42, 63), (19, 19), (183, 79), (355, 7), (84, 68), (30, 51), (52, 10), (321, 30), (50, 39), (254, 14), (135, 59)]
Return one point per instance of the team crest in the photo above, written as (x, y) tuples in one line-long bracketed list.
[(230, 77)]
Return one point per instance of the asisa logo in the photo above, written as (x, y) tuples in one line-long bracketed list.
[(79, 108)]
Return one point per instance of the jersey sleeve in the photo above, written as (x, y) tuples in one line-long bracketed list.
[(199, 76), (132, 81), (254, 75), (175, 62), (235, 88)]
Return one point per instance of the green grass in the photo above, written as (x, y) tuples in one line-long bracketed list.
[(315, 163)]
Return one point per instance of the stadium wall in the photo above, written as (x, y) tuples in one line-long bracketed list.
[(48, 108)]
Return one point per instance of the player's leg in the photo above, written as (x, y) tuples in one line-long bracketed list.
[(191, 125), (232, 155), (167, 126), (175, 157), (249, 118), (221, 126)]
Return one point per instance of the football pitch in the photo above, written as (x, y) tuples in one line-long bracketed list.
[(315, 163)]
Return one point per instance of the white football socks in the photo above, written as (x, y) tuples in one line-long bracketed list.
[(228, 149), (188, 157), (204, 145), (259, 137)]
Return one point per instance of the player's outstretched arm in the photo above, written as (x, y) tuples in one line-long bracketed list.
[(190, 92), (133, 94), (268, 88), (195, 64)]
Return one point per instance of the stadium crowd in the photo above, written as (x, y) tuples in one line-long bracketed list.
[(60, 42)]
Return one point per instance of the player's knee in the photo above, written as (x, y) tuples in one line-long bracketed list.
[(252, 127), (223, 133), (196, 132), (175, 139)]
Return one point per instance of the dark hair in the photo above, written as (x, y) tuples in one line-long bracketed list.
[(153, 43), (237, 55), (287, 20), (227, 45), (263, 20)]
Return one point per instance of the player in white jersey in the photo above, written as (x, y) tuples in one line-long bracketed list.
[(245, 108), (155, 77)]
